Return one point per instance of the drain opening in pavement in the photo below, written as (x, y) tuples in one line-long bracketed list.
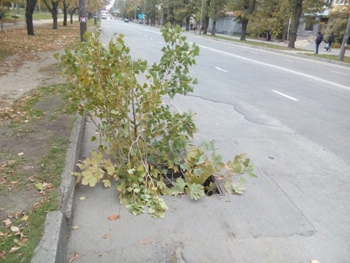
[(218, 189)]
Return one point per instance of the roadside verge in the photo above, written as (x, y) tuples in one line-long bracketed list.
[(53, 245)]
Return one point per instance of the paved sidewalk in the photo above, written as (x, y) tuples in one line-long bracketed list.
[(256, 227), (302, 45)]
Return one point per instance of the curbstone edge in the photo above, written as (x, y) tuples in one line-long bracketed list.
[(54, 243)]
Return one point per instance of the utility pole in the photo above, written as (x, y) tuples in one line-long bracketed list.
[(82, 19), (345, 41)]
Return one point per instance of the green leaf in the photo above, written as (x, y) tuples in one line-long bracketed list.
[(107, 183), (238, 188), (178, 188), (161, 185), (39, 186), (195, 191), (201, 159), (228, 186), (89, 178), (109, 166)]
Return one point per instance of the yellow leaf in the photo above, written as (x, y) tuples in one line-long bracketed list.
[(25, 218), (82, 198), (75, 227), (107, 183), (20, 154)]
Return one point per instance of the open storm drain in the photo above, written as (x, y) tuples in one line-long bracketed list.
[(212, 186)]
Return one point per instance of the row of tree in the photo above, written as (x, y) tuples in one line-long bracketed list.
[(68, 7), (280, 16)]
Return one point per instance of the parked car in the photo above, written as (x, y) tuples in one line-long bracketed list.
[(126, 20)]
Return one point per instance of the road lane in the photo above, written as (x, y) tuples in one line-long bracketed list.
[(249, 75)]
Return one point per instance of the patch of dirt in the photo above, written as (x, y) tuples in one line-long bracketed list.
[(24, 144)]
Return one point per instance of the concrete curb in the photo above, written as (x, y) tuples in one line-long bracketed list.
[(54, 243)]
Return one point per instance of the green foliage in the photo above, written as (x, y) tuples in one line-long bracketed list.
[(338, 22), (141, 140)]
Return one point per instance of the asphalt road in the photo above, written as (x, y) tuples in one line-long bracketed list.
[(290, 115)]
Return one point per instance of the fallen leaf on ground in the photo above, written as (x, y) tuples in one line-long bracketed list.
[(32, 179), (1, 234), (36, 205), (82, 198), (7, 222), (39, 186), (20, 154), (13, 249), (75, 227), (11, 215), (14, 229), (76, 255), (106, 236), (113, 217), (25, 218), (314, 261)]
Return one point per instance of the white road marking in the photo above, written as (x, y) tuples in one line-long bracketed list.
[(277, 67), (284, 95), (221, 69), (339, 73), (266, 64)]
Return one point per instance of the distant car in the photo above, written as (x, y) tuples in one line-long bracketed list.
[(126, 20), (104, 16)]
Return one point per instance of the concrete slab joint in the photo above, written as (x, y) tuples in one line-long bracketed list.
[(53, 245)]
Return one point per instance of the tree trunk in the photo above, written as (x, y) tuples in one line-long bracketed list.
[(29, 16), (244, 28), (53, 11), (65, 13), (71, 16), (295, 23), (54, 14), (213, 29), (187, 23), (206, 24), (71, 13)]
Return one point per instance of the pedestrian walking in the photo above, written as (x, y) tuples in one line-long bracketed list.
[(269, 35), (318, 41), (330, 41)]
